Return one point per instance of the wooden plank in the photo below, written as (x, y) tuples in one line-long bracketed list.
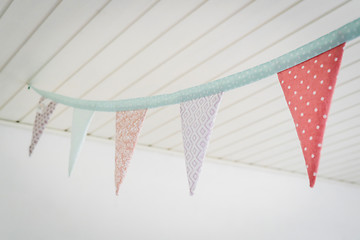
[(34, 54), (16, 27)]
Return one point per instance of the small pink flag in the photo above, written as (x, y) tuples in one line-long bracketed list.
[(198, 118), (308, 88), (44, 110), (128, 126)]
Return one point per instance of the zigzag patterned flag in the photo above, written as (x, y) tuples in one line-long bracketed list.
[(44, 110), (128, 126), (308, 88), (198, 118)]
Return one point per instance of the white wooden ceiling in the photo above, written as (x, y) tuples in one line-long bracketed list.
[(103, 49)]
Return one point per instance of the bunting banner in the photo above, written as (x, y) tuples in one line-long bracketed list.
[(44, 110), (308, 89), (128, 126), (307, 76), (80, 124), (197, 118)]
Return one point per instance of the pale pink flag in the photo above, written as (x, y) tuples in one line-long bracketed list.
[(128, 125), (198, 118), (44, 110)]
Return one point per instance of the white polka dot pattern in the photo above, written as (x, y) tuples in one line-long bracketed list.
[(315, 81)]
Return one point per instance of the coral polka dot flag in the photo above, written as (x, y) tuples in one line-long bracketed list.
[(44, 110), (308, 88), (128, 126)]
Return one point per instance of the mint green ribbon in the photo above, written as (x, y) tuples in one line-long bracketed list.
[(343, 34)]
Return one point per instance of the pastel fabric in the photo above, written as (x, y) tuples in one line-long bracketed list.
[(44, 110), (128, 126), (308, 88), (80, 124), (198, 118)]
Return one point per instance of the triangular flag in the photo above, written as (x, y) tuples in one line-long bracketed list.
[(45, 108), (128, 126), (308, 88), (198, 118), (80, 124)]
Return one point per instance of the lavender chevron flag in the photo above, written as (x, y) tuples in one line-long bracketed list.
[(44, 110), (197, 118)]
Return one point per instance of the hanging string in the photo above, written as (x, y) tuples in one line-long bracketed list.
[(343, 34)]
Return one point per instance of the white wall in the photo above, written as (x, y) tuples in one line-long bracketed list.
[(39, 201)]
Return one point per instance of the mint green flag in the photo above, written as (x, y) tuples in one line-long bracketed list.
[(80, 124)]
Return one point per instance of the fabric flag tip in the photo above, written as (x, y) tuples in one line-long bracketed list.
[(312, 182), (70, 168), (312, 179), (31, 149), (117, 188)]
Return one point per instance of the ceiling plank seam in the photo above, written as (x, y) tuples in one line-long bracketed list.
[(98, 52)]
